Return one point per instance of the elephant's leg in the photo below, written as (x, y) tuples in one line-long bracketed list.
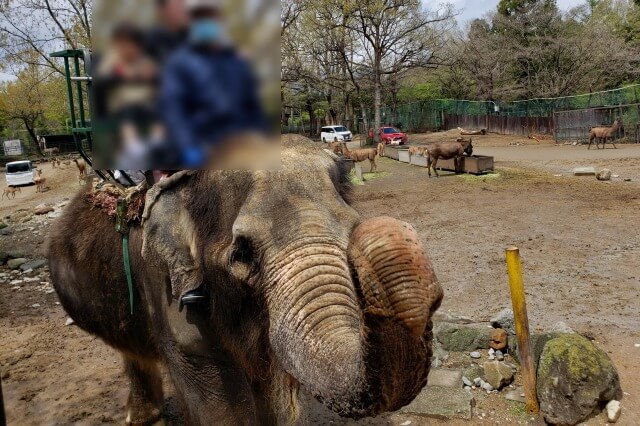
[(214, 392), (144, 405)]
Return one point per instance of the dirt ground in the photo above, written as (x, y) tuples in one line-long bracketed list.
[(579, 238)]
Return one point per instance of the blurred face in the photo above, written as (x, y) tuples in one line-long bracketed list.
[(174, 15), (129, 49)]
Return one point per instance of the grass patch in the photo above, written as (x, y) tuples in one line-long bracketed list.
[(353, 178), (517, 409)]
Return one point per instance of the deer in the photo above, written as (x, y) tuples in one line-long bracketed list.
[(82, 168), (50, 151), (604, 133), (11, 192), (40, 181), (360, 155), (381, 149), (447, 150)]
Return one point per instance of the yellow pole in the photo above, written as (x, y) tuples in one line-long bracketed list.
[(516, 284)]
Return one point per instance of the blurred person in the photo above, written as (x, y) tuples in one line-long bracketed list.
[(129, 79), (208, 93), (171, 30)]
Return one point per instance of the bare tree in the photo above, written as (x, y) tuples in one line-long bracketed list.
[(42, 26)]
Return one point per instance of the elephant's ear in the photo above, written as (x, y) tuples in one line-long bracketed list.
[(170, 238)]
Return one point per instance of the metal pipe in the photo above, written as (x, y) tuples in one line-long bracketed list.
[(516, 284)]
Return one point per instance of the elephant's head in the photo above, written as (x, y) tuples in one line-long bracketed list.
[(343, 306)]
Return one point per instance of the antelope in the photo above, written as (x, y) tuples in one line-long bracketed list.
[(40, 181), (11, 192), (360, 155), (604, 133)]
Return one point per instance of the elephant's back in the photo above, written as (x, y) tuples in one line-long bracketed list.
[(85, 255)]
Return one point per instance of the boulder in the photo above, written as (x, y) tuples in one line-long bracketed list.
[(42, 209), (499, 338), (604, 175), (458, 338), (15, 263), (497, 374), (505, 320), (575, 379), (34, 264), (613, 411), (442, 403)]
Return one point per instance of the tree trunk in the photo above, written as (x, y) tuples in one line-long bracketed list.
[(32, 133)]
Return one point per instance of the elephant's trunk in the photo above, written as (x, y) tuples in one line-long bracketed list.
[(351, 322)]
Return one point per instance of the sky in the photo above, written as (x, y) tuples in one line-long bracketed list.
[(471, 9)]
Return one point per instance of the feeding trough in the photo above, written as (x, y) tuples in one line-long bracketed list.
[(476, 164), (393, 151)]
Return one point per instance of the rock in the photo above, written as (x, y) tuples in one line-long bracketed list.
[(454, 319), (3, 257), (2, 225), (15, 263), (575, 378), (499, 356), (442, 403), (6, 231), (604, 175), (473, 372), (466, 382), (613, 411), (459, 338), (475, 355), (34, 264), (69, 321), (491, 351), (505, 320), (487, 386), (21, 216), (497, 374), (444, 378), (499, 339), (42, 209), (561, 327), (516, 394), (584, 171), (15, 254), (35, 305), (478, 381), (54, 215)]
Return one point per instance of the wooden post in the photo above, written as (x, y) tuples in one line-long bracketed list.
[(516, 284)]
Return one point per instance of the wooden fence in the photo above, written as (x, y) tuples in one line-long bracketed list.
[(504, 125)]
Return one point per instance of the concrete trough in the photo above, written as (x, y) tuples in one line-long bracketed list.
[(393, 151), (475, 165), (403, 156)]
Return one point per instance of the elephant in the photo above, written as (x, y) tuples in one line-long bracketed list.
[(300, 293)]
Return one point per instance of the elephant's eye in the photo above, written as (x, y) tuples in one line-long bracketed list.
[(243, 251)]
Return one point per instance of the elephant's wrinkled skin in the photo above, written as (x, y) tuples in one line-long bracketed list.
[(300, 292)]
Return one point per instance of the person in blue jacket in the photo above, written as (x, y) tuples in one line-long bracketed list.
[(208, 92)]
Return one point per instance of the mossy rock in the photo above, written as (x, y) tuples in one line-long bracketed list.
[(538, 342), (575, 380), (458, 338), (3, 225)]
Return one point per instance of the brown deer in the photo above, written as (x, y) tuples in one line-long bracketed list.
[(11, 192), (447, 151), (381, 148), (40, 181), (82, 169), (360, 155), (604, 133)]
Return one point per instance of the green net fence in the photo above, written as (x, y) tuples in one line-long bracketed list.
[(429, 114)]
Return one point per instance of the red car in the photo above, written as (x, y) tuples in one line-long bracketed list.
[(392, 136)]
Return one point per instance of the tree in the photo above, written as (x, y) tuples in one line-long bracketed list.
[(396, 36), (40, 27)]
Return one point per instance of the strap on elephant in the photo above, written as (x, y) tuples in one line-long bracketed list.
[(123, 228)]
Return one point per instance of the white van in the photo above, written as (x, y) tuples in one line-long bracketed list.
[(20, 173), (335, 134)]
